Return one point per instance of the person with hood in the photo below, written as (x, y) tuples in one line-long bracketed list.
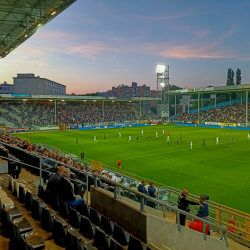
[(204, 211)]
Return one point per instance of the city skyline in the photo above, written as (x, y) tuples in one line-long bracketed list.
[(93, 46)]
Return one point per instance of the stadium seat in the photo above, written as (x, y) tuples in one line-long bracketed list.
[(111, 189), (58, 232), (64, 210), (86, 229), (55, 203), (74, 240), (126, 194), (32, 241), (120, 236), (2, 194), (22, 194), (47, 219), (79, 188), (47, 197), (88, 247), (133, 197), (94, 217), (40, 192), (85, 211), (8, 215), (134, 244), (106, 226), (37, 209), (20, 225), (29, 200), (100, 240), (74, 218), (114, 245), (4, 204)]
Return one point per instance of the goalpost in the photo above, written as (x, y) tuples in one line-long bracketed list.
[(3, 130), (96, 165)]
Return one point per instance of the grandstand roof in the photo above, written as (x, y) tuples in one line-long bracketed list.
[(20, 19), (45, 98), (231, 88)]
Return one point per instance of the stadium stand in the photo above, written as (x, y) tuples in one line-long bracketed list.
[(29, 209), (20, 115), (227, 114)]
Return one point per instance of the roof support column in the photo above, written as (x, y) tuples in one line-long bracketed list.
[(188, 102), (247, 108), (198, 108), (55, 111)]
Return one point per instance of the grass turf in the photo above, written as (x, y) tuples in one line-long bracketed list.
[(221, 171)]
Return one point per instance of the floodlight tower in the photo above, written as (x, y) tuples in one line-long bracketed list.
[(162, 72)]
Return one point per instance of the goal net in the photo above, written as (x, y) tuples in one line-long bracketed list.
[(3, 130), (96, 165)]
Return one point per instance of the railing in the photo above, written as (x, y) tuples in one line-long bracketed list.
[(218, 214), (118, 187)]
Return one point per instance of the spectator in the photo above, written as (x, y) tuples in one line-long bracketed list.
[(126, 183), (119, 179), (82, 155), (152, 193), (197, 226), (54, 179), (64, 191), (47, 160), (29, 148), (39, 150), (142, 189), (34, 148), (183, 204), (114, 178), (203, 212)]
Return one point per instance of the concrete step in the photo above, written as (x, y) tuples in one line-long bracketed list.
[(163, 247), (153, 247)]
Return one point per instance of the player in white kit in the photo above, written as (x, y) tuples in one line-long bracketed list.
[(217, 140), (191, 144), (248, 136), (156, 135), (95, 139), (129, 138), (162, 132), (142, 132), (168, 139), (120, 135)]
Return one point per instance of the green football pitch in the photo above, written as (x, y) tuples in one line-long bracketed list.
[(221, 171)]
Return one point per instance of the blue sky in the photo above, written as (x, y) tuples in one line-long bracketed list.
[(94, 45)]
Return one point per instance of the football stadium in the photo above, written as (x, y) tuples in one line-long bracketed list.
[(131, 168)]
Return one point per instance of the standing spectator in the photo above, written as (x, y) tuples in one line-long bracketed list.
[(39, 150), (64, 191), (82, 155), (142, 189), (152, 193), (204, 211), (183, 204)]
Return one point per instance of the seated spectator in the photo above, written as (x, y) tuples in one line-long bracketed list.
[(197, 226), (39, 150), (152, 193), (126, 183), (142, 189), (47, 160), (64, 191), (29, 148), (204, 211), (114, 178), (119, 179), (54, 179), (34, 148)]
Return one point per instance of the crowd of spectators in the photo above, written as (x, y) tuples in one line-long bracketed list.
[(228, 114), (72, 114)]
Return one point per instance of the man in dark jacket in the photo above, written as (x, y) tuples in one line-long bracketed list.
[(142, 189), (64, 191), (204, 211), (183, 204), (54, 179), (152, 193)]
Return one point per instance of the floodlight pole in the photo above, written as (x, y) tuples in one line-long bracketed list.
[(247, 108)]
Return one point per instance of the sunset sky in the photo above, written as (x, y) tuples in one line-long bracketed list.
[(96, 44)]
